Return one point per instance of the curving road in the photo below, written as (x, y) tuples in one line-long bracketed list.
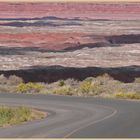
[(75, 117)]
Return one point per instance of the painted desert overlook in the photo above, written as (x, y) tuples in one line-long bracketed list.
[(78, 35), (53, 55), (46, 42), (99, 35)]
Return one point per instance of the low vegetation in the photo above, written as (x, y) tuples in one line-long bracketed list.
[(17, 115), (129, 95), (88, 88), (11, 80), (65, 90), (104, 86), (61, 83), (29, 87), (137, 80)]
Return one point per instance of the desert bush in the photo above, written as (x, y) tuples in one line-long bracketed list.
[(86, 86), (89, 88), (7, 89), (65, 90), (4, 89), (14, 80), (45, 91), (72, 82), (61, 83), (30, 87), (137, 80), (105, 76), (94, 86), (3, 79), (90, 79), (104, 79), (125, 87), (128, 95)]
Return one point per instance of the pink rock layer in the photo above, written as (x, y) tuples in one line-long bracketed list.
[(59, 39), (69, 10), (50, 41)]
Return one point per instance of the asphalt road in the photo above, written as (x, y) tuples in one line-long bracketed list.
[(75, 117)]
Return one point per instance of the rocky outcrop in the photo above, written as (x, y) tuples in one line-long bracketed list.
[(54, 73)]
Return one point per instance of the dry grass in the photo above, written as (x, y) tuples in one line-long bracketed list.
[(17, 115)]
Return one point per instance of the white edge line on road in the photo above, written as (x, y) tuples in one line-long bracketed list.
[(94, 122)]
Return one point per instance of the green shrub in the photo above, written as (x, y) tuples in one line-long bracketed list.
[(30, 87), (61, 83), (128, 95)]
